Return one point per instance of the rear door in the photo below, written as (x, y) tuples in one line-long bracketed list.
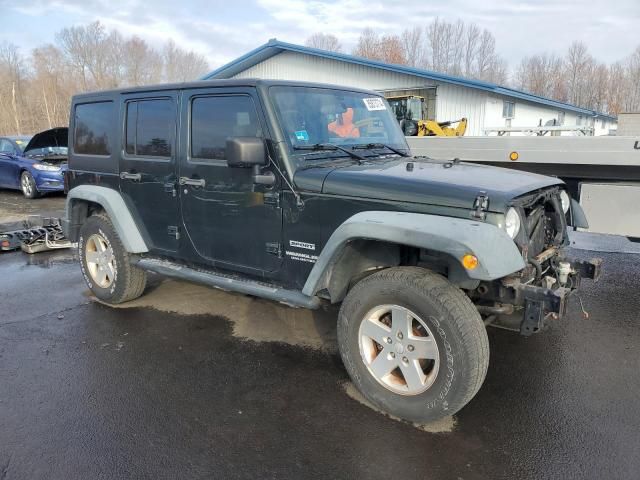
[(148, 166), (229, 221)]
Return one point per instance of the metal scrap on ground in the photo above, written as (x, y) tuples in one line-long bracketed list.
[(38, 235)]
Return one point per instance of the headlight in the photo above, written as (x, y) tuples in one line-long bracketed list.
[(565, 200), (44, 166), (512, 222)]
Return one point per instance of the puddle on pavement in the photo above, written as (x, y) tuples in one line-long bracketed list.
[(444, 425), (253, 319)]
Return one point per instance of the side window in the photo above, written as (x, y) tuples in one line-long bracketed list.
[(508, 109), (6, 147), (93, 125), (214, 119), (150, 126)]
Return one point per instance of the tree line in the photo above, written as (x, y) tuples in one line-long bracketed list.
[(466, 50), (36, 89)]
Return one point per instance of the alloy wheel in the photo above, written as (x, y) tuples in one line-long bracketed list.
[(100, 260), (399, 349)]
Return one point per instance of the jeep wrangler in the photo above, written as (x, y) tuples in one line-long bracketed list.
[(308, 194)]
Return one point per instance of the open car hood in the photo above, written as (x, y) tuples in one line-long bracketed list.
[(56, 137)]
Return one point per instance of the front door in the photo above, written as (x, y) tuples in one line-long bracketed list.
[(9, 172), (148, 166), (229, 221)]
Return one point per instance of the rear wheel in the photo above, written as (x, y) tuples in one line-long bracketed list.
[(105, 263), (413, 343), (28, 185)]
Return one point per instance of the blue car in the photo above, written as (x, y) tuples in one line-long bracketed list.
[(34, 165)]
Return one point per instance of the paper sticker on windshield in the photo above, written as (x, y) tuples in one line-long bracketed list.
[(374, 103), (302, 135), (19, 142)]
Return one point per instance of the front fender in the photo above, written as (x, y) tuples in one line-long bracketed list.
[(497, 253)]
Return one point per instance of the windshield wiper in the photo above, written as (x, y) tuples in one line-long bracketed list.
[(370, 146), (330, 146)]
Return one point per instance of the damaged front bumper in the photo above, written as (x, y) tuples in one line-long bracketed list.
[(541, 303), (527, 306)]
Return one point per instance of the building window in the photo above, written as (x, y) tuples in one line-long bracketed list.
[(508, 109), (603, 124), (150, 126), (579, 121), (93, 124), (560, 118), (214, 119)]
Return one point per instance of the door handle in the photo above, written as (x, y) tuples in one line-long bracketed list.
[(136, 177), (194, 182)]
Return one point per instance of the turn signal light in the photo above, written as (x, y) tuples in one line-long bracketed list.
[(469, 261), (514, 156)]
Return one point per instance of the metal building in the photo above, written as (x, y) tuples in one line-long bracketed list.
[(485, 105)]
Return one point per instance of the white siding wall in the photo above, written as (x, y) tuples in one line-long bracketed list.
[(452, 101), (309, 68)]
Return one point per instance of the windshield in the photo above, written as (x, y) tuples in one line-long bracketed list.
[(22, 142), (312, 116)]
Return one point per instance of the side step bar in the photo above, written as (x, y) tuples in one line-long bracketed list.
[(292, 298)]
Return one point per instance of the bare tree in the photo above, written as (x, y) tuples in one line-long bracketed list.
[(387, 48), (180, 65), (324, 41), (413, 46), (35, 91), (141, 64), (367, 46), (462, 49), (12, 76), (578, 62), (542, 75)]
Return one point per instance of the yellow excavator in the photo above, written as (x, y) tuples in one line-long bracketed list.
[(410, 112)]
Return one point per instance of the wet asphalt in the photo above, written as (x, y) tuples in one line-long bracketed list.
[(92, 392)]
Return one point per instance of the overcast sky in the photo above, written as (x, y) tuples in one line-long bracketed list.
[(223, 30)]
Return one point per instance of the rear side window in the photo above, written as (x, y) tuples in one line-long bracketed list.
[(150, 126), (93, 125), (214, 119)]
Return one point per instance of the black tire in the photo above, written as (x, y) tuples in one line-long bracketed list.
[(127, 281), (454, 324), (28, 185)]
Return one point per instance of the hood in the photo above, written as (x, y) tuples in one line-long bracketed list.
[(429, 182), (56, 137)]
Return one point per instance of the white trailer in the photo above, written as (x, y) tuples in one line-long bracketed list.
[(602, 172)]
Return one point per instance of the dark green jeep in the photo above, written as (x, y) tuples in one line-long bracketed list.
[(308, 194)]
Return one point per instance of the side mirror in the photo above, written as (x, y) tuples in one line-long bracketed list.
[(245, 152)]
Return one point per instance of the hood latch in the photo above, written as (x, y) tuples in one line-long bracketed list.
[(481, 206)]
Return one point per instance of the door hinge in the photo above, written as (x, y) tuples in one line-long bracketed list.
[(272, 199), (274, 248), (480, 205), (173, 231)]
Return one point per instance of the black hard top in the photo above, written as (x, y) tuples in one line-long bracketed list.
[(240, 82)]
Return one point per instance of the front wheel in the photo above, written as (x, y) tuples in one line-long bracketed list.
[(413, 343), (28, 185)]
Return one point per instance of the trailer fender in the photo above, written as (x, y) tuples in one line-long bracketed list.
[(578, 217)]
